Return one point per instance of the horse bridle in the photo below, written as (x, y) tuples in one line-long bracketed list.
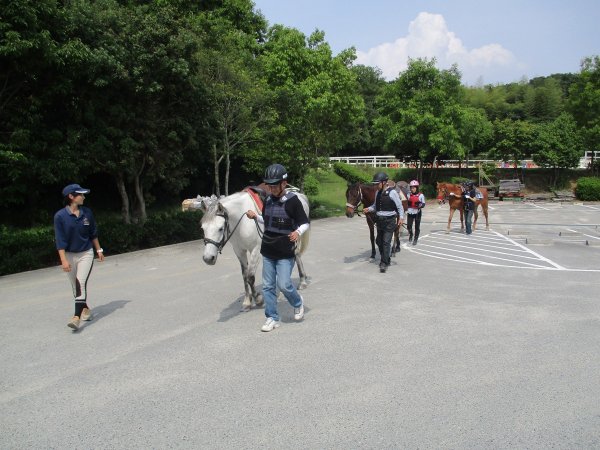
[(360, 197), (226, 233), (441, 199)]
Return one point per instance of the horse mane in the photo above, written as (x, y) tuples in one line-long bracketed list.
[(213, 207)]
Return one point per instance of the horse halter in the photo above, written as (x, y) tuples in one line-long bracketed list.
[(360, 197), (226, 233), (442, 198)]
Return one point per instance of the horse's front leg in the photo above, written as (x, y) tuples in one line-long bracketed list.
[(450, 219), (247, 303), (475, 218), (301, 272), (252, 266), (396, 244), (485, 213), (371, 235)]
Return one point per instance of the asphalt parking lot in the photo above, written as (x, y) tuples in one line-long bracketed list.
[(486, 341)]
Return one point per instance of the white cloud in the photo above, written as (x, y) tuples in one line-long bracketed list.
[(428, 37)]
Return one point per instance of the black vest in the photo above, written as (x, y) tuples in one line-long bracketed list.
[(275, 217), (383, 202)]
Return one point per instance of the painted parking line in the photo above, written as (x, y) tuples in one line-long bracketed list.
[(595, 208), (540, 207), (476, 249)]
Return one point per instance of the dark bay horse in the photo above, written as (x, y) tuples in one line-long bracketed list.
[(444, 191), (359, 193)]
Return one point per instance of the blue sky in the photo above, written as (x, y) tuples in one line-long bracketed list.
[(492, 42)]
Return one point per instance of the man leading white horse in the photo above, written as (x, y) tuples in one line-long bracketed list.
[(285, 221)]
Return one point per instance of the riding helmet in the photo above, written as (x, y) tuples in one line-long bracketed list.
[(275, 173), (380, 177), (414, 183)]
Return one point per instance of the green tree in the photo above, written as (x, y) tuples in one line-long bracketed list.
[(370, 84), (513, 141), (544, 102), (39, 137), (558, 145), (315, 96), (474, 130), (584, 103), (418, 113)]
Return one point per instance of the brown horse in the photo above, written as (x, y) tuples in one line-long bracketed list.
[(444, 191), (359, 193)]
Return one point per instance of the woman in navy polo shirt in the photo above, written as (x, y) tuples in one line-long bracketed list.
[(76, 238)]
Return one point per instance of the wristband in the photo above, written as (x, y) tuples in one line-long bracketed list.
[(100, 250)]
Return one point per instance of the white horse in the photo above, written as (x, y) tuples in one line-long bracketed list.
[(225, 221)]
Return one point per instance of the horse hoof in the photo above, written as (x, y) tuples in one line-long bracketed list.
[(245, 308), (302, 285), (259, 301)]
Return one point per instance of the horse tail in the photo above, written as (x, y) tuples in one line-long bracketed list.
[(303, 242), (305, 238)]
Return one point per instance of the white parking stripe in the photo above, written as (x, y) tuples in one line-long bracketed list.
[(478, 261), (469, 249), (531, 251), (497, 246), (538, 206), (489, 256)]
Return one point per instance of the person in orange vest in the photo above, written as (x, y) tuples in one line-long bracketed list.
[(416, 202)]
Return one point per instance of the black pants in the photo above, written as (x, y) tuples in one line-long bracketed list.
[(385, 232), (416, 218)]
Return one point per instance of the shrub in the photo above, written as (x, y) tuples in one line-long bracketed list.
[(311, 185), (34, 248), (588, 188), (350, 173), (458, 180), (30, 249), (428, 191)]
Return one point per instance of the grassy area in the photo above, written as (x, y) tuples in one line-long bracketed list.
[(331, 199)]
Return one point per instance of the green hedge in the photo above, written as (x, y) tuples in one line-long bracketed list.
[(588, 188), (311, 185), (350, 173), (34, 248)]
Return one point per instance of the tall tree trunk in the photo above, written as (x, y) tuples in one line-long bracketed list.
[(124, 199), (227, 168), (141, 203), (216, 163)]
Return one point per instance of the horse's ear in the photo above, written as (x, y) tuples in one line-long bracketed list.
[(203, 203), (220, 208)]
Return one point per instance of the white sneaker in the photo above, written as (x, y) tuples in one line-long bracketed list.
[(299, 312), (270, 324)]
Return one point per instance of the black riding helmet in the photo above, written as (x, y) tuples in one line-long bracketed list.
[(275, 173), (379, 177)]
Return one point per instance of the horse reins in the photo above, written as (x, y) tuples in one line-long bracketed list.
[(226, 235)]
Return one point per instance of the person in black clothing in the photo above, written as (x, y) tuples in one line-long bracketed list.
[(469, 196), (285, 221), (389, 214)]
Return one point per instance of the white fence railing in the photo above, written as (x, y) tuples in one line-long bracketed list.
[(586, 160), (392, 162)]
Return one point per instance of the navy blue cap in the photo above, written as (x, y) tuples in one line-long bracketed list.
[(74, 189)]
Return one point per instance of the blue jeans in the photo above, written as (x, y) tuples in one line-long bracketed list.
[(277, 273), (468, 220)]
